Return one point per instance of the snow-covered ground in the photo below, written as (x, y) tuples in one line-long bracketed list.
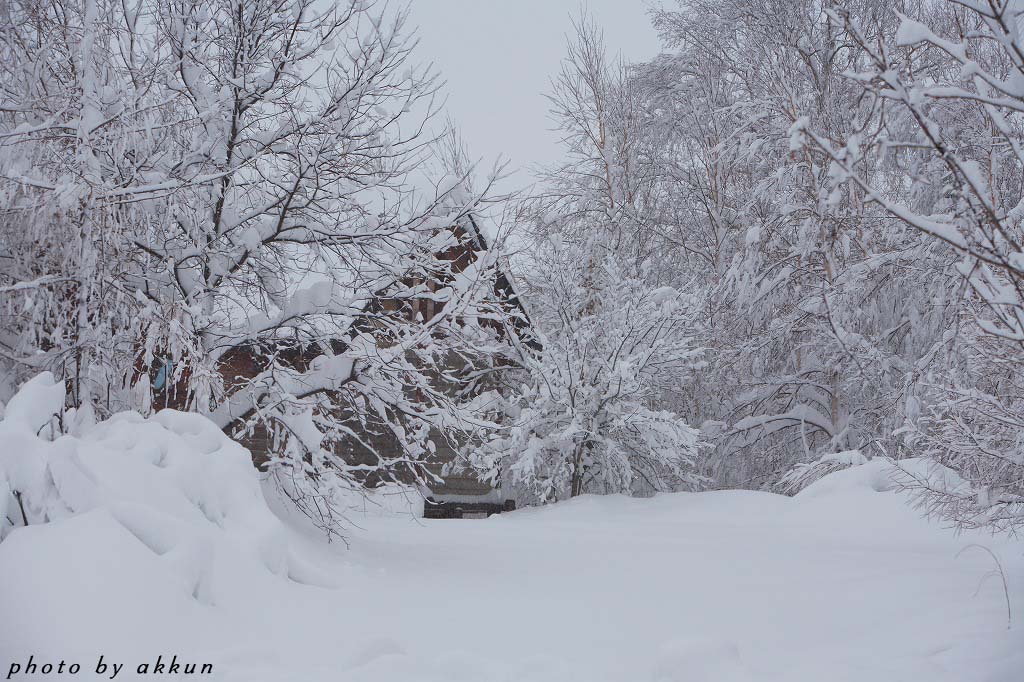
[(161, 552)]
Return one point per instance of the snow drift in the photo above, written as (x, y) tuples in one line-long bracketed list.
[(166, 514), (174, 482)]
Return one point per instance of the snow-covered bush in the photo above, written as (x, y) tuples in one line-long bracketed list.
[(586, 417)]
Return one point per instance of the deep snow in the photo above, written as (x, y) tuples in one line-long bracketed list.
[(171, 553)]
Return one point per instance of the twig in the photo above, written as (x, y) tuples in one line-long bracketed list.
[(24, 517), (998, 571)]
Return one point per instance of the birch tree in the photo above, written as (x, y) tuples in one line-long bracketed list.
[(947, 124)]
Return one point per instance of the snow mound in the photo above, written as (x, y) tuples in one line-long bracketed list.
[(35, 405), (803, 475), (850, 458), (877, 475), (882, 475), (174, 483)]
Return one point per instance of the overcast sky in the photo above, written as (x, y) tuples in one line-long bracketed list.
[(497, 57)]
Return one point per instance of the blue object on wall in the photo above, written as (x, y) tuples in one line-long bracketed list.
[(164, 375)]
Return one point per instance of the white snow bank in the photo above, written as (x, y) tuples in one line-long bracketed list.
[(174, 481), (805, 474), (842, 470), (159, 515), (39, 401), (846, 457), (881, 475)]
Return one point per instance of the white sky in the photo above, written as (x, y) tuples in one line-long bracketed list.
[(498, 56)]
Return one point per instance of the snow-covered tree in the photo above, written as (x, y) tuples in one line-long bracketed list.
[(587, 417), (819, 307), (843, 180), (615, 342), (216, 198), (941, 153)]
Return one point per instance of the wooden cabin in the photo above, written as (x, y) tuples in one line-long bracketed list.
[(459, 495)]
